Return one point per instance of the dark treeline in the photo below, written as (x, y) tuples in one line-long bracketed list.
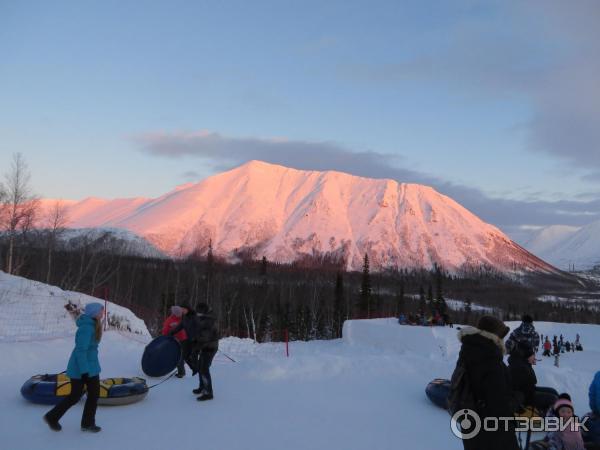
[(259, 299)]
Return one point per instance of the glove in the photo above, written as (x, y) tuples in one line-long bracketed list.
[(85, 377)]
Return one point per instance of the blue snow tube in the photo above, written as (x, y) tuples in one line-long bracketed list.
[(47, 389), (438, 391), (161, 356)]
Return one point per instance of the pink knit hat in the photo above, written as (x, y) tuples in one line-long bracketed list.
[(562, 402)]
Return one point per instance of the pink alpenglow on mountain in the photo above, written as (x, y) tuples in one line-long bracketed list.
[(261, 209)]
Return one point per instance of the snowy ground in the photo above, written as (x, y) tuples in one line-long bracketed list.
[(365, 391)]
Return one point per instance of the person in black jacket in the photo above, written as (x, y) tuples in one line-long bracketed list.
[(524, 382), (482, 355), (207, 345), (203, 337), (520, 364)]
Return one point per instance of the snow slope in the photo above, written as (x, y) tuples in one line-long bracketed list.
[(284, 214), (365, 391), (123, 241), (30, 310)]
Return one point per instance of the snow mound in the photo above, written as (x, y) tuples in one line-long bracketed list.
[(30, 310), (387, 335)]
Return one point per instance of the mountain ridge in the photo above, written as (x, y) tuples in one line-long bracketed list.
[(261, 209)]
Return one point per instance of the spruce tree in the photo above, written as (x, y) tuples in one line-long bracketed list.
[(263, 266), (210, 263), (400, 300), (430, 302), (422, 304), (338, 306), (440, 302), (365, 288)]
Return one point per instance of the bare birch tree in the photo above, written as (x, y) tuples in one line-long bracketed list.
[(19, 206), (55, 222)]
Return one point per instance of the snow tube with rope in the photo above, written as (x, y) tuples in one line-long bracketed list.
[(50, 389)]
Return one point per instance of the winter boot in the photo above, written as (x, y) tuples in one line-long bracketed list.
[(205, 396), (53, 424), (92, 429)]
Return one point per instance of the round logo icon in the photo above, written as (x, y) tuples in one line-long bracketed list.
[(465, 424)]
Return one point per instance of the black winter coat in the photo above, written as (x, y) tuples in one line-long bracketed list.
[(188, 323), (207, 337), (201, 331), (523, 377), (482, 355)]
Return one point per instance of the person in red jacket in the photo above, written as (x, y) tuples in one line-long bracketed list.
[(547, 347), (169, 324)]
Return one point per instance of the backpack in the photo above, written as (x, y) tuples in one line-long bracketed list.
[(462, 395)]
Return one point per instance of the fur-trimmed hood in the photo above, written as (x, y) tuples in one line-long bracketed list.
[(470, 331)]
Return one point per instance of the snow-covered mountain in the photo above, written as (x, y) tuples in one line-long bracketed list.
[(543, 240), (565, 246), (284, 214)]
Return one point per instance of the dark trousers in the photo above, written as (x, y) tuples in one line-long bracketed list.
[(204, 362), (185, 357), (88, 418)]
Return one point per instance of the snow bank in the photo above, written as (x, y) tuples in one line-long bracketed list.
[(30, 310), (387, 335)]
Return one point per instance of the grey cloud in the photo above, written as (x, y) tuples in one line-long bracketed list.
[(547, 52), (223, 153)]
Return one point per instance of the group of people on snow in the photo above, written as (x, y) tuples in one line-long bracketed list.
[(482, 382), (195, 330), (559, 345), (435, 319), (197, 334)]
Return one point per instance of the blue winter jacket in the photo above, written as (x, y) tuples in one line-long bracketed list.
[(84, 358), (595, 394)]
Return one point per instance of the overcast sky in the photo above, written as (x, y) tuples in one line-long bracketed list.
[(495, 103)]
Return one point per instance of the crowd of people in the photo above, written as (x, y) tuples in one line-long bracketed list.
[(435, 319), (495, 390), (559, 345)]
